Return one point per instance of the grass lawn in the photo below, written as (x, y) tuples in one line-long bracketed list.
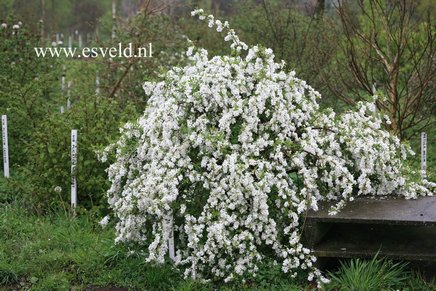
[(58, 252)]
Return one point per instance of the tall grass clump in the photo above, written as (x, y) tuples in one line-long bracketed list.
[(375, 274)]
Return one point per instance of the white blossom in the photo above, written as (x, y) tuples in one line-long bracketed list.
[(103, 223)]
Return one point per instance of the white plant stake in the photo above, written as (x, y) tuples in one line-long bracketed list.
[(114, 12), (423, 155), (63, 87), (73, 168), (97, 83), (68, 95), (5, 146), (63, 84), (171, 251)]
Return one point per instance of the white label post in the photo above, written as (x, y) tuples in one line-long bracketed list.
[(171, 251), (63, 85), (97, 83), (114, 17), (69, 95), (5, 146), (73, 168), (63, 80), (423, 155)]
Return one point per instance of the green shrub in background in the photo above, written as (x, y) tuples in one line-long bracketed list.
[(39, 135), (26, 85), (97, 117), (48, 170), (122, 78)]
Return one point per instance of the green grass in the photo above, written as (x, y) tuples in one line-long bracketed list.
[(59, 252)]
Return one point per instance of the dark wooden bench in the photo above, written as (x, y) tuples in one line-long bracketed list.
[(394, 227)]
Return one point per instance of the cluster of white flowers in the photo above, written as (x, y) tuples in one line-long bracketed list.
[(230, 153), (103, 223), (237, 44), (15, 27)]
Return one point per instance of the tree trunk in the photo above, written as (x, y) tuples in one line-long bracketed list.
[(215, 7)]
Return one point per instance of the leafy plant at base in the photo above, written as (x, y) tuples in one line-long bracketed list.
[(375, 274), (7, 276)]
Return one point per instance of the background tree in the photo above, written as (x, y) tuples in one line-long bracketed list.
[(387, 46)]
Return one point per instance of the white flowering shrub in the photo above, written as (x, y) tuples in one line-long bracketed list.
[(230, 153)]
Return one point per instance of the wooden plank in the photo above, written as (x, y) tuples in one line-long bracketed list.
[(314, 232), (421, 211), (397, 242)]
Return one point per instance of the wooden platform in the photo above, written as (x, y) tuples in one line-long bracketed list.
[(396, 228)]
